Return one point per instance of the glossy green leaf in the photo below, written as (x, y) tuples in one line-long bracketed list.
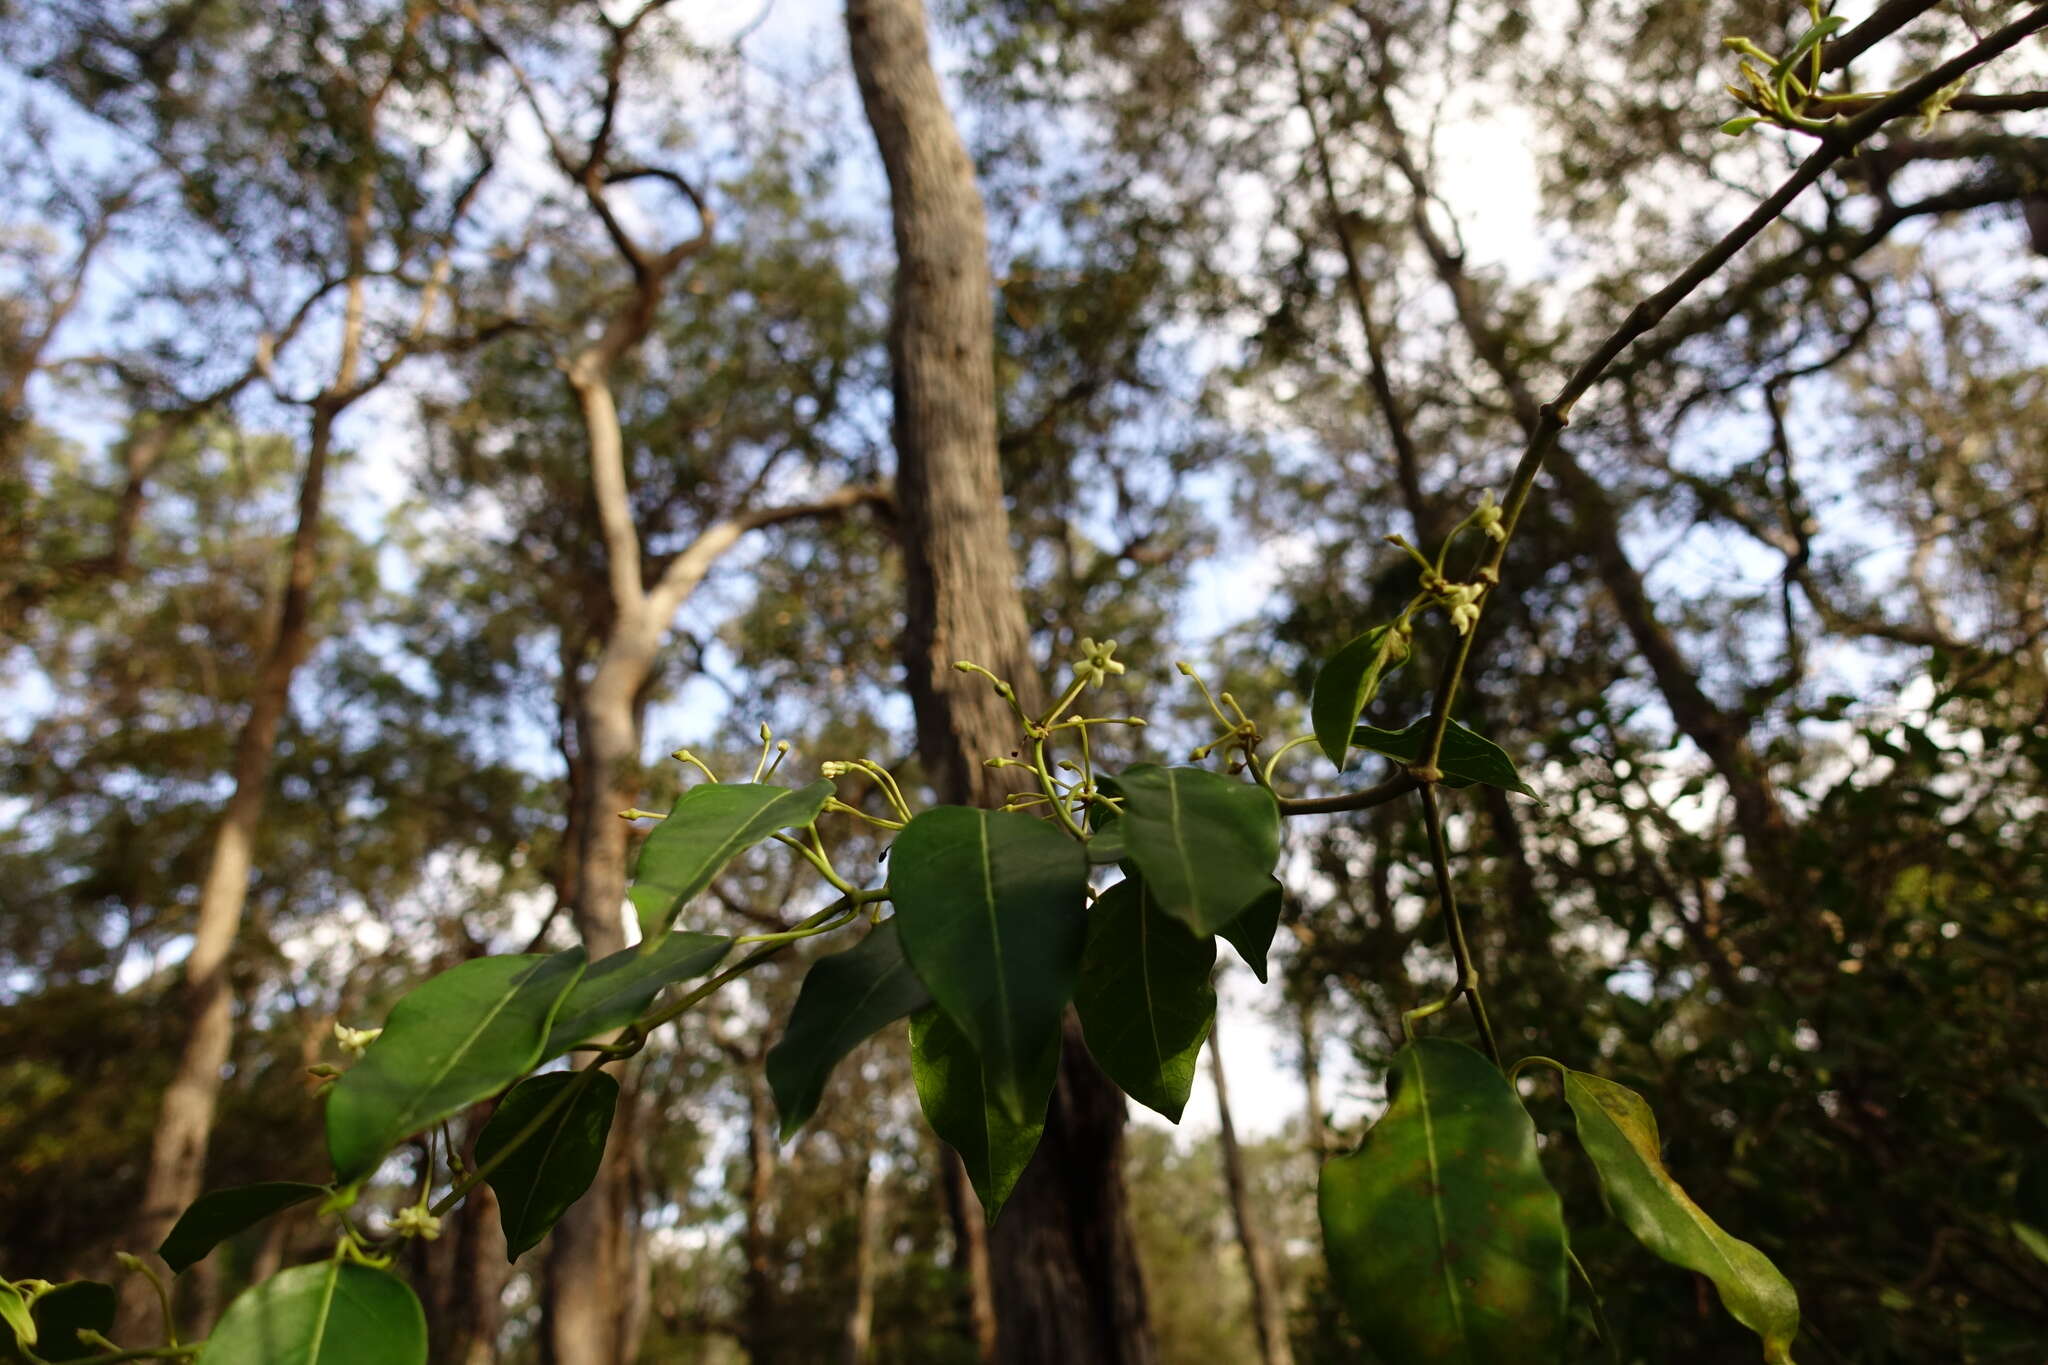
[(326, 1313), (63, 1311), (617, 988), (1465, 758), (1445, 1242), (1619, 1133), (220, 1214), (994, 1147), (14, 1312), (709, 826), (1252, 932), (2030, 1205), (1205, 844), (464, 1035), (550, 1171), (992, 911), (1145, 1000), (845, 998), (1346, 685)]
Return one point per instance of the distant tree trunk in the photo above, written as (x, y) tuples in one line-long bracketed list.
[(177, 1157), (1067, 1285), (1269, 1310), (970, 1253), (860, 1313), (1315, 1133), (758, 1327)]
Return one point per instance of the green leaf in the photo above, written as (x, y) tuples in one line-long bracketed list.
[(2032, 1238), (992, 912), (63, 1311), (709, 826), (15, 1313), (1204, 844), (845, 998), (1145, 1001), (994, 1147), (327, 1313), (550, 1170), (1252, 932), (1619, 1133), (1445, 1242), (1465, 758), (1346, 685), (466, 1034), (617, 988), (220, 1214)]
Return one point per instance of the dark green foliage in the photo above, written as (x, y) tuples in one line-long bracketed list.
[(845, 999), (466, 1034), (554, 1164), (1445, 1240), (1144, 999)]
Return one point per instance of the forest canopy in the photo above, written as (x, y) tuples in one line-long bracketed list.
[(1107, 682)]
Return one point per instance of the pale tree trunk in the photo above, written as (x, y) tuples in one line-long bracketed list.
[(860, 1313), (970, 1253), (177, 1159), (595, 1296), (1269, 1310), (1315, 1132), (1066, 1281)]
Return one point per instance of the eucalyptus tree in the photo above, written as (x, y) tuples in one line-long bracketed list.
[(319, 177)]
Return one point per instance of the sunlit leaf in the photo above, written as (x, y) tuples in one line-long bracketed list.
[(1204, 843), (710, 825), (992, 912), (617, 988), (845, 998), (1145, 1000), (1619, 1133), (327, 1313), (464, 1035), (1346, 685), (220, 1214), (14, 1312), (1444, 1239), (550, 1171), (994, 1147), (1464, 759)]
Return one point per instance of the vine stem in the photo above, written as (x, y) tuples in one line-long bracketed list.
[(1461, 950), (1556, 414)]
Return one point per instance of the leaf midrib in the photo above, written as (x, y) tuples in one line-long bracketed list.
[(995, 935), (327, 1290), (1436, 1203), (412, 1110)]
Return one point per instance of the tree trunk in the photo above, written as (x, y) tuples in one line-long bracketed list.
[(1066, 1280), (860, 1314), (1269, 1311), (758, 1241), (1315, 1132), (970, 1253), (177, 1157)]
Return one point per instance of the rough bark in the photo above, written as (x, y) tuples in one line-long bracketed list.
[(1067, 1285), (1269, 1310)]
